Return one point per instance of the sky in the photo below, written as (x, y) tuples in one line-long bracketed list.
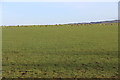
[(60, 0), (40, 13)]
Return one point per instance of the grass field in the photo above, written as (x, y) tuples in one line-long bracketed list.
[(61, 51)]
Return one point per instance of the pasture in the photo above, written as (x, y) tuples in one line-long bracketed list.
[(60, 51)]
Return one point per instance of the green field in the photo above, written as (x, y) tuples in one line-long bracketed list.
[(61, 51)]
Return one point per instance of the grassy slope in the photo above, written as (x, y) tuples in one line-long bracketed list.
[(60, 51)]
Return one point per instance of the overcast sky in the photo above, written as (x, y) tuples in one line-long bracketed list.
[(20, 13)]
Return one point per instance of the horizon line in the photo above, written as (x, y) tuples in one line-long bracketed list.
[(64, 23)]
